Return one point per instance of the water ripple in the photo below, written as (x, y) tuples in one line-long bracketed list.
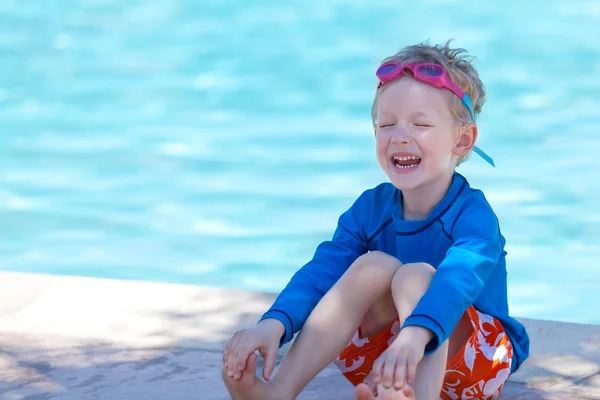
[(217, 142)]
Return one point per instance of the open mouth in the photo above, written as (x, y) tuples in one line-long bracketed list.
[(406, 162)]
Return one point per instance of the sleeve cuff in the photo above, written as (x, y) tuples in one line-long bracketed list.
[(427, 322), (285, 319)]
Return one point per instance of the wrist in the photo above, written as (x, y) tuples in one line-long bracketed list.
[(273, 325), (423, 335)]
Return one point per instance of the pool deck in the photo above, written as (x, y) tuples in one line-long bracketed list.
[(87, 338)]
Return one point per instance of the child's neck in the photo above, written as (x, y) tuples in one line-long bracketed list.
[(418, 203)]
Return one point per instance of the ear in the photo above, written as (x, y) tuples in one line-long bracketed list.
[(465, 140)]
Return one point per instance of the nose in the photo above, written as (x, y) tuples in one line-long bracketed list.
[(401, 136)]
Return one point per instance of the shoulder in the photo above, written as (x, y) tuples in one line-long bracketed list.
[(379, 194), (376, 197), (472, 214), (373, 207)]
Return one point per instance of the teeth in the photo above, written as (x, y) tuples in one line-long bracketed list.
[(406, 158)]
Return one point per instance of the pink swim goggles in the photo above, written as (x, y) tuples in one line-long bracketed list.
[(434, 75)]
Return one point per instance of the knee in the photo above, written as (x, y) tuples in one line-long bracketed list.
[(413, 278), (374, 265)]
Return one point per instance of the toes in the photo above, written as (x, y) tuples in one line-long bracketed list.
[(408, 392), (229, 383), (245, 382), (251, 364), (249, 374), (363, 392)]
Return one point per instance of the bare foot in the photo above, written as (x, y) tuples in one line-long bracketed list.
[(249, 387), (229, 384), (363, 392)]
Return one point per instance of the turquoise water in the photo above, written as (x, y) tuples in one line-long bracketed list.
[(217, 144)]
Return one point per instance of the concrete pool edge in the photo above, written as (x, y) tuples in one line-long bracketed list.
[(46, 319)]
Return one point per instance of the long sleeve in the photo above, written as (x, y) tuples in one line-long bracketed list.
[(477, 247), (331, 259)]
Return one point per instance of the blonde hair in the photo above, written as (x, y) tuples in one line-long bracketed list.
[(457, 64)]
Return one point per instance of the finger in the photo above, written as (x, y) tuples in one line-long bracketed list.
[(399, 376), (232, 348), (229, 346), (241, 362), (378, 368), (388, 371), (241, 357), (411, 368), (231, 359), (269, 355), (226, 351), (372, 385)]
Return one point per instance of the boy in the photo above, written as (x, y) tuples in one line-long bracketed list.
[(409, 298)]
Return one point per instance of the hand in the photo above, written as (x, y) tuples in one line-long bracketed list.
[(264, 337), (398, 364)]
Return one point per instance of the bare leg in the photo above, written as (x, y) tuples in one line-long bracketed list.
[(335, 319), (461, 334), (408, 286), (328, 330)]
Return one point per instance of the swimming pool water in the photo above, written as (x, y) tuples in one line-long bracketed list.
[(216, 143)]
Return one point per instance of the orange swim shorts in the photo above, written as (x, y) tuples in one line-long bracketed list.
[(477, 371)]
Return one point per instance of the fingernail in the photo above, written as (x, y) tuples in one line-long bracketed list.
[(230, 374), (387, 384)]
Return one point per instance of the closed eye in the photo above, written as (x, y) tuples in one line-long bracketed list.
[(424, 126), (385, 125)]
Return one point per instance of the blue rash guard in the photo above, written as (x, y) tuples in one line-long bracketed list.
[(460, 238)]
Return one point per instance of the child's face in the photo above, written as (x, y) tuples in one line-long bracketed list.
[(415, 123)]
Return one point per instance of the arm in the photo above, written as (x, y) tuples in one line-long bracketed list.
[(332, 258), (461, 276)]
